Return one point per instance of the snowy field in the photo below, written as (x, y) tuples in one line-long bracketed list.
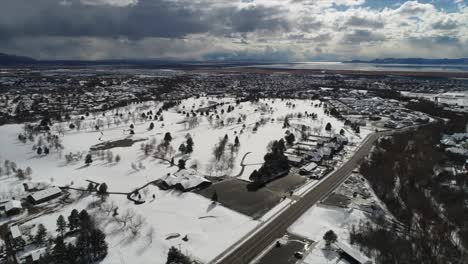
[(210, 228), (318, 220), (121, 177)]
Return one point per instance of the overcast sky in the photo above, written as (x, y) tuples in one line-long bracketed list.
[(281, 30)]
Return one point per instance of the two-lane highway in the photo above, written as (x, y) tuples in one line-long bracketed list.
[(278, 226)]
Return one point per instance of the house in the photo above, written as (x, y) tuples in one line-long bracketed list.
[(326, 152), (16, 237), (351, 254), (45, 195), (13, 207), (294, 160), (308, 168), (185, 180), (35, 256)]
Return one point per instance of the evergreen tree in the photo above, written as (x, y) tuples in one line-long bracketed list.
[(189, 145), (73, 219), (330, 237), (328, 127), (290, 138), (60, 251), (176, 257), (85, 222), (90, 188), (40, 234), (61, 225), (151, 126), (214, 197), (39, 151), (102, 189), (98, 244), (236, 141), (88, 159), (182, 148), (181, 164), (167, 138)]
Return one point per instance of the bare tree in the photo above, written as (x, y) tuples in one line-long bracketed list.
[(150, 234)]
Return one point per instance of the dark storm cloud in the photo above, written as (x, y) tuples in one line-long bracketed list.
[(356, 21), (362, 36), (250, 19), (146, 18)]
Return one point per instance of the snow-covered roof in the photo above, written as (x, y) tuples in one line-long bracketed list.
[(294, 158), (459, 151), (355, 254), (186, 178), (309, 167), (15, 231), (46, 193), (325, 151), (13, 204), (36, 255)]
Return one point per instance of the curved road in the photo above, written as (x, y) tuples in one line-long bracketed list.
[(278, 227)]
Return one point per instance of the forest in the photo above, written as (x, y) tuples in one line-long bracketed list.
[(428, 222)]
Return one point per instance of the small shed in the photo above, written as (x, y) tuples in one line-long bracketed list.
[(16, 240), (45, 195), (15, 232), (352, 254), (13, 207)]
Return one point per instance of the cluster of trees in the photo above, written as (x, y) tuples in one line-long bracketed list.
[(354, 126), (165, 148), (10, 167), (44, 143), (90, 245), (276, 163), (429, 214), (224, 154), (290, 138), (149, 147), (187, 147)]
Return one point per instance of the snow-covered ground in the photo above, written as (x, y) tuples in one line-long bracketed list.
[(318, 220), (209, 228), (120, 176)]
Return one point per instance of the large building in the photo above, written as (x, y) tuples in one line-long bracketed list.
[(45, 195)]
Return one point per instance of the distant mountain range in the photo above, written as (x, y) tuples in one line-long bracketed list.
[(9, 59), (413, 61), (14, 59)]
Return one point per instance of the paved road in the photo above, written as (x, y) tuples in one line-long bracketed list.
[(278, 227)]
